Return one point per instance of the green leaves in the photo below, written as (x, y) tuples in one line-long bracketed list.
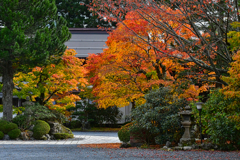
[(159, 115), (220, 120), (29, 36), (77, 14)]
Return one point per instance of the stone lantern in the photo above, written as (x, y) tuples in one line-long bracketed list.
[(187, 122), (28, 111)]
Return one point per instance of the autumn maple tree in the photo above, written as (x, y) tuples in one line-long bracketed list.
[(129, 68), (53, 85), (208, 23)]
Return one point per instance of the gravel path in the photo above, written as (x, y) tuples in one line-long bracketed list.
[(68, 150), (72, 152)]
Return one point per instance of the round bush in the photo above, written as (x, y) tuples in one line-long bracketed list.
[(1, 135), (13, 134), (8, 127), (124, 134), (2, 124), (41, 128), (63, 135)]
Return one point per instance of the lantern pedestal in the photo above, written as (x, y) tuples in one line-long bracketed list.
[(187, 138)]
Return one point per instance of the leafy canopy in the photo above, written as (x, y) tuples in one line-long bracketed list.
[(53, 82)]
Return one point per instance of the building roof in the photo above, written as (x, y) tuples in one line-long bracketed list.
[(87, 40)]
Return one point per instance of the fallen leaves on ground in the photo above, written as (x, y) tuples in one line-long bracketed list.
[(113, 145)]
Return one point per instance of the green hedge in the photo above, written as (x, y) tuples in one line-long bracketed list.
[(2, 124), (41, 128), (124, 134), (9, 127), (13, 134)]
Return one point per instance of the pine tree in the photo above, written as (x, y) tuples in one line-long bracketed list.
[(32, 35), (78, 16)]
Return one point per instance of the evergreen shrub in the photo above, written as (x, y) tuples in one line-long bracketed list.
[(41, 128), (8, 127), (1, 135), (159, 115), (21, 121), (124, 133), (2, 124), (220, 120), (13, 134)]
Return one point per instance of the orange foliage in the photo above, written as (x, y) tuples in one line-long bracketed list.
[(129, 68), (54, 82)]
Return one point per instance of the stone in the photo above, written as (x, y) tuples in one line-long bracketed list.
[(6, 137), (30, 133), (207, 146), (180, 144), (24, 136), (178, 148), (44, 137), (215, 146), (168, 144), (56, 127), (195, 146), (52, 137), (48, 137), (165, 147), (28, 102), (187, 137), (31, 127), (187, 148)]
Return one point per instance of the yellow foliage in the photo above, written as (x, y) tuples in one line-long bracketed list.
[(54, 81)]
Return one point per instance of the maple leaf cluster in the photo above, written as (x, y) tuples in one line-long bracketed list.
[(53, 85), (129, 67), (180, 44)]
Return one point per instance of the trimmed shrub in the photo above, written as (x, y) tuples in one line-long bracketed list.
[(1, 135), (37, 112), (63, 135), (41, 128), (159, 115), (8, 127), (124, 134), (2, 124), (13, 134)]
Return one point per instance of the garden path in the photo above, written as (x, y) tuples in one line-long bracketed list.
[(70, 150), (79, 138)]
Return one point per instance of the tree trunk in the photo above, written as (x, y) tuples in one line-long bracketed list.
[(133, 105), (7, 91), (218, 85)]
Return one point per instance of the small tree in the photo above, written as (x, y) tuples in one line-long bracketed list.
[(159, 115), (31, 35), (53, 82)]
